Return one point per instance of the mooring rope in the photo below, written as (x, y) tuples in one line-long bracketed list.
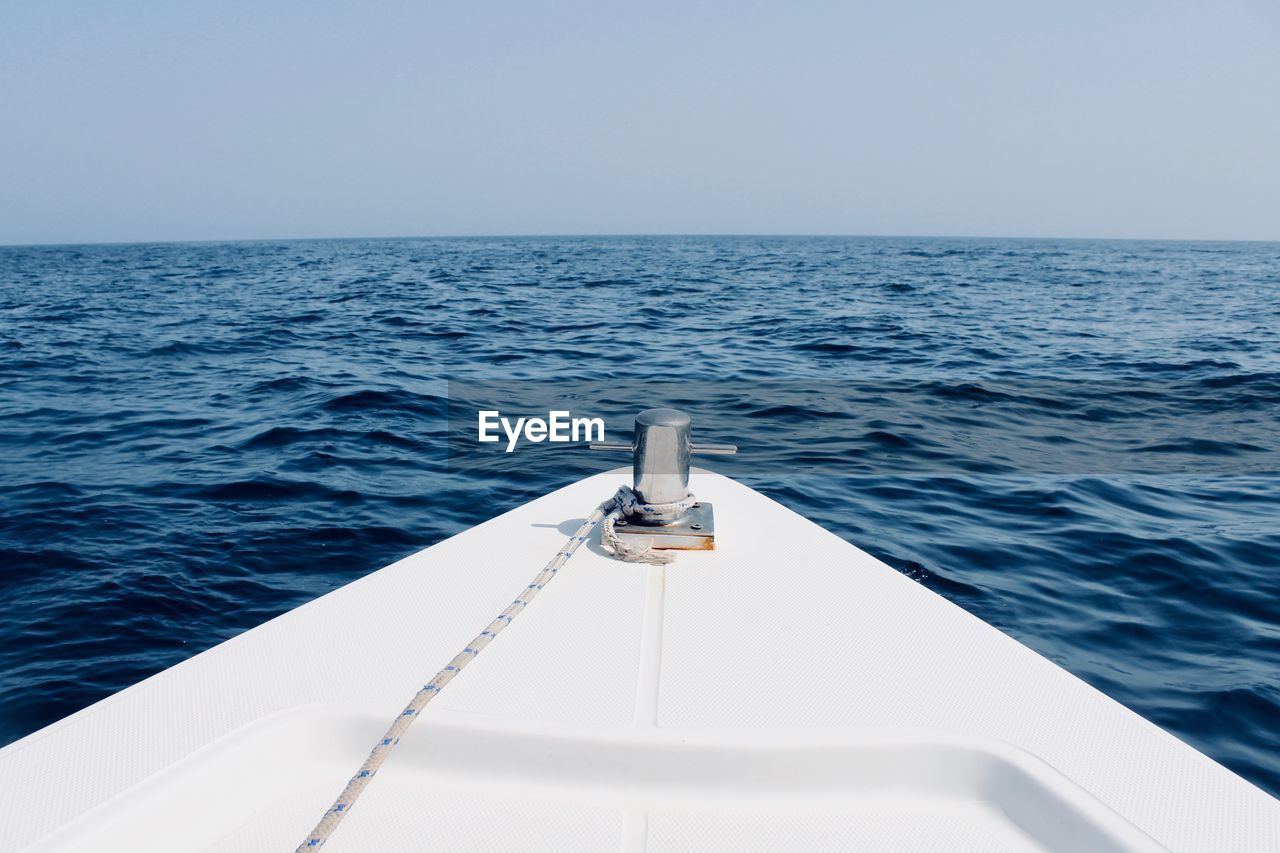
[(623, 503)]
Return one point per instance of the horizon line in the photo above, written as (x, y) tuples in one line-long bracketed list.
[(625, 234)]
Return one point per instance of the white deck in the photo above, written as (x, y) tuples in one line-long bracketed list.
[(785, 691)]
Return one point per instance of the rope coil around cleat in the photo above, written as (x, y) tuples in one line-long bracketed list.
[(625, 502)]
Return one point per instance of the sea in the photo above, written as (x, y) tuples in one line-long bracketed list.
[(1075, 440)]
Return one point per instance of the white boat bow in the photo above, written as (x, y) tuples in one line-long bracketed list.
[(785, 691)]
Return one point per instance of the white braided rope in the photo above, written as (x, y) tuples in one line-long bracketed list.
[(629, 505), (622, 503)]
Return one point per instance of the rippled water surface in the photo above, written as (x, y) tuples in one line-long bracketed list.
[(1074, 440)]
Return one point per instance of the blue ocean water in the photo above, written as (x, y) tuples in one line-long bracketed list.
[(1074, 440)]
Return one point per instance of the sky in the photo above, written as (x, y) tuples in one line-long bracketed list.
[(176, 120)]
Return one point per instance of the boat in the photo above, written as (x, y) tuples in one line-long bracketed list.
[(772, 688)]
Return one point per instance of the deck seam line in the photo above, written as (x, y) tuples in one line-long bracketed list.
[(647, 682)]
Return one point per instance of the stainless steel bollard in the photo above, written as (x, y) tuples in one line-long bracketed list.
[(660, 449)]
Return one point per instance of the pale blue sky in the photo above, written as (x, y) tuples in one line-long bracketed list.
[(175, 120)]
